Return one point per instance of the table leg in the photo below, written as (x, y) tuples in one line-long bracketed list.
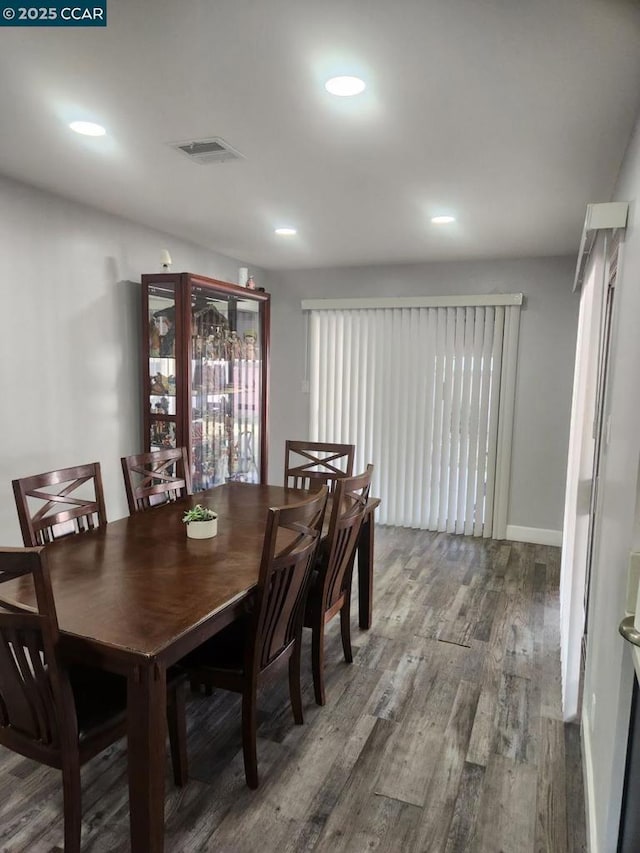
[(146, 731), (365, 572)]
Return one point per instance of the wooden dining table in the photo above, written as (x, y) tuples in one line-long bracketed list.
[(136, 595)]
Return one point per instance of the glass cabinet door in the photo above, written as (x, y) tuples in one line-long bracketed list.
[(162, 365), (226, 382)]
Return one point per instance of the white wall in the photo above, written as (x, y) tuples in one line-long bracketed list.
[(69, 348), (609, 671), (545, 370)]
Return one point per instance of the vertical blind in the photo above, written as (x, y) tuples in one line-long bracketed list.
[(426, 394)]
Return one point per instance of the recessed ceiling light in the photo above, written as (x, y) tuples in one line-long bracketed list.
[(442, 220), (87, 128), (286, 232), (344, 87)]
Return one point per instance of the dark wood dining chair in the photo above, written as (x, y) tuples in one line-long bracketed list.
[(310, 464), (239, 657), (60, 503), (330, 589), (154, 478), (58, 714)]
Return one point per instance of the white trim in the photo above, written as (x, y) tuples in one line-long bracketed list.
[(589, 788), (536, 535), (580, 460), (412, 302)]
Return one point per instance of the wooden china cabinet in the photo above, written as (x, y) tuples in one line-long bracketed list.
[(205, 365)]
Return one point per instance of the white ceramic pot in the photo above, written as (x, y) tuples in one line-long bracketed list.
[(202, 529)]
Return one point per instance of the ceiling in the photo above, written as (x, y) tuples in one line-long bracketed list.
[(510, 114)]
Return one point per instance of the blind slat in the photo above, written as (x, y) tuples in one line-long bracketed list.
[(474, 419), (438, 406), (464, 420), (484, 421), (445, 453), (494, 405), (454, 456)]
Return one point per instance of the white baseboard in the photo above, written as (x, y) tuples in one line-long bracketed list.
[(587, 775), (536, 535)]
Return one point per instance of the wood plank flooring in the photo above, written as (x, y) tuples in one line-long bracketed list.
[(444, 736)]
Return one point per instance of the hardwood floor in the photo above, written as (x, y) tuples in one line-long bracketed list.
[(445, 734)]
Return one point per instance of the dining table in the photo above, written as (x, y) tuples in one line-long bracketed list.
[(136, 595)]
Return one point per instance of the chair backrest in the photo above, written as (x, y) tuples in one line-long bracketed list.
[(347, 511), (310, 464), (288, 555), (59, 503), (35, 695), (156, 478)]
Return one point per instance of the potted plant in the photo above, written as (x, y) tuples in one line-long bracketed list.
[(202, 522)]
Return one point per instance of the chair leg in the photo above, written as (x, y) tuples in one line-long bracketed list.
[(317, 659), (345, 627), (249, 735), (72, 798), (177, 724), (295, 692)]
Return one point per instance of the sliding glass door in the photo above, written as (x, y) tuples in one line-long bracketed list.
[(425, 393)]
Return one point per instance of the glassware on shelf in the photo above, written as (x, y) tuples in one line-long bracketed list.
[(210, 336)]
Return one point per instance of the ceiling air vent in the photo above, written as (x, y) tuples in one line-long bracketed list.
[(205, 151)]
